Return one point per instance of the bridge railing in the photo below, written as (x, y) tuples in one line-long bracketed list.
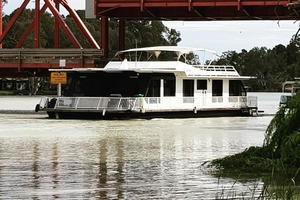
[(48, 58), (49, 53)]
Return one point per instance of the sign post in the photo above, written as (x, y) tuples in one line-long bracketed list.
[(58, 78)]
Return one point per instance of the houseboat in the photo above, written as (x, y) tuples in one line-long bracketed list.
[(289, 89), (153, 82)]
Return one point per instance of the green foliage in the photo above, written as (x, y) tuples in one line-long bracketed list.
[(252, 160), (281, 149), (272, 67), (291, 149), (284, 125), (19, 27), (149, 33), (282, 134)]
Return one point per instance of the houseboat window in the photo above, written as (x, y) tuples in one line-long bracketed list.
[(217, 88), (78, 87), (188, 88), (169, 87), (236, 88), (154, 88), (201, 84)]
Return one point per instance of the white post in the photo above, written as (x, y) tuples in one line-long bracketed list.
[(59, 90), (161, 87), (62, 64)]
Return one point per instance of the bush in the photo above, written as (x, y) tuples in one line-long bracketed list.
[(252, 160)]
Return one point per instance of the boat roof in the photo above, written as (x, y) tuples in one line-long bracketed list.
[(178, 49), (202, 74), (179, 68)]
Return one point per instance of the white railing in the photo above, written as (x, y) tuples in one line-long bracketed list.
[(251, 101), (146, 103), (217, 100), (98, 103), (243, 101)]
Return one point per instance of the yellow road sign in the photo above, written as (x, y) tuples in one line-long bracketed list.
[(58, 77)]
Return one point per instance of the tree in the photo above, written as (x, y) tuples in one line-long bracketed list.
[(283, 133), (272, 67), (137, 33), (173, 36), (149, 33), (19, 27), (281, 148)]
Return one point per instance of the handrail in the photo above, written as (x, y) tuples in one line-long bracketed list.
[(141, 103), (98, 103)]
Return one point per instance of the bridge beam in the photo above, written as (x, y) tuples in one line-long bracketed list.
[(26, 60), (201, 10)]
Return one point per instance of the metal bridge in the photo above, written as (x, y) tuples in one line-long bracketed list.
[(27, 62), (20, 61), (199, 9)]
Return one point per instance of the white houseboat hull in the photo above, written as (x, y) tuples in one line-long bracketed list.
[(143, 107)]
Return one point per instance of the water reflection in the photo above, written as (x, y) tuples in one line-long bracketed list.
[(133, 159), (117, 160), (55, 177), (35, 166), (102, 176)]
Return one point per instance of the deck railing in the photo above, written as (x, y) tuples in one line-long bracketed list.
[(148, 103), (98, 103)]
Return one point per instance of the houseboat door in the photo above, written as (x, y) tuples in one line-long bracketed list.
[(201, 90)]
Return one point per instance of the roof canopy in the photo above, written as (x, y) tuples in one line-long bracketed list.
[(177, 49)]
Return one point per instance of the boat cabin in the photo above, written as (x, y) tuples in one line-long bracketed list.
[(154, 82)]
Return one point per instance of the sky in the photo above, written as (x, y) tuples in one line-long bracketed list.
[(220, 36)]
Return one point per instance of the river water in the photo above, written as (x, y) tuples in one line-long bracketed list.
[(43, 158)]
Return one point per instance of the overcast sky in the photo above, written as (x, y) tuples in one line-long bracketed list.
[(220, 36)]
